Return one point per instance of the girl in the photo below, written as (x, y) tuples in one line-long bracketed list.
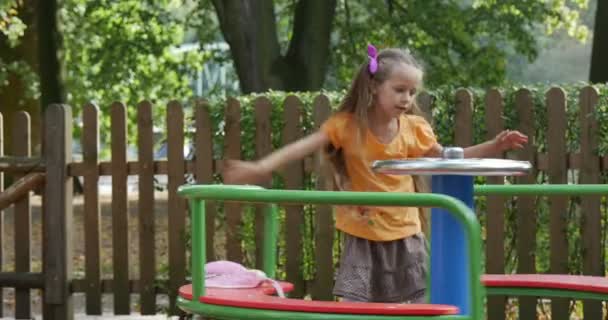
[(384, 251)]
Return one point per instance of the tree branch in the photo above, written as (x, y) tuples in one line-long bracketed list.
[(49, 54), (249, 28), (308, 52), (20, 189), (599, 65)]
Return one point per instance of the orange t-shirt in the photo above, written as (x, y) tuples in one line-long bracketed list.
[(414, 139)]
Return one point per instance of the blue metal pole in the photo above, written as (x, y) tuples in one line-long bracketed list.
[(450, 280)]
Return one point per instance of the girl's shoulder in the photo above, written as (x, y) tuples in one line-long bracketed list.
[(340, 118), (342, 115), (420, 128), (415, 120)]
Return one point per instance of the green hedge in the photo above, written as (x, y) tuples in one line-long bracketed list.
[(443, 113)]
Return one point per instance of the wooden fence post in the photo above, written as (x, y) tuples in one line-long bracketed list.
[(232, 150), (263, 146), (120, 208), (204, 168), (324, 221), (177, 204), (90, 155), (147, 253), (57, 214), (495, 226), (591, 225), (526, 209), (463, 130), (23, 213), (293, 174), (556, 150)]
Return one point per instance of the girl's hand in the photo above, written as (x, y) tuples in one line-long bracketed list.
[(509, 139), (244, 172)]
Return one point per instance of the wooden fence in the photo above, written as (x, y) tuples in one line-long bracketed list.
[(58, 280)]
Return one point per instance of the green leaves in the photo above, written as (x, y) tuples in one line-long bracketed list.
[(10, 25), (462, 43), (126, 51)]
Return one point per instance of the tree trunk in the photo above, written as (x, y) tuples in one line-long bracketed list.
[(599, 54), (308, 55), (13, 95), (49, 53), (249, 28)]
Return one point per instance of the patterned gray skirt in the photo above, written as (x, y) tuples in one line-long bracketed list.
[(382, 271)]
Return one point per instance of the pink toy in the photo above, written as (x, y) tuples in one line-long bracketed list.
[(227, 274)]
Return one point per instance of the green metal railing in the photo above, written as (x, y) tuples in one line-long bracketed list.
[(198, 194), (540, 189)]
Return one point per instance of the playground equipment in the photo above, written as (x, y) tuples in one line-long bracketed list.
[(257, 304), (451, 175), (455, 286)]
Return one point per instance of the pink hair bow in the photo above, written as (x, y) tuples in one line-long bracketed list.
[(372, 53)]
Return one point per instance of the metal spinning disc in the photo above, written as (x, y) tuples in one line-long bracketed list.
[(443, 166)]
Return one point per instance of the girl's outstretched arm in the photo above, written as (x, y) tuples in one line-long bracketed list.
[(252, 172), (506, 140)]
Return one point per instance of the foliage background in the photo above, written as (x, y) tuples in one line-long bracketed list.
[(131, 50)]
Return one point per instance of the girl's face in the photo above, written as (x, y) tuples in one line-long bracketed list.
[(395, 95)]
